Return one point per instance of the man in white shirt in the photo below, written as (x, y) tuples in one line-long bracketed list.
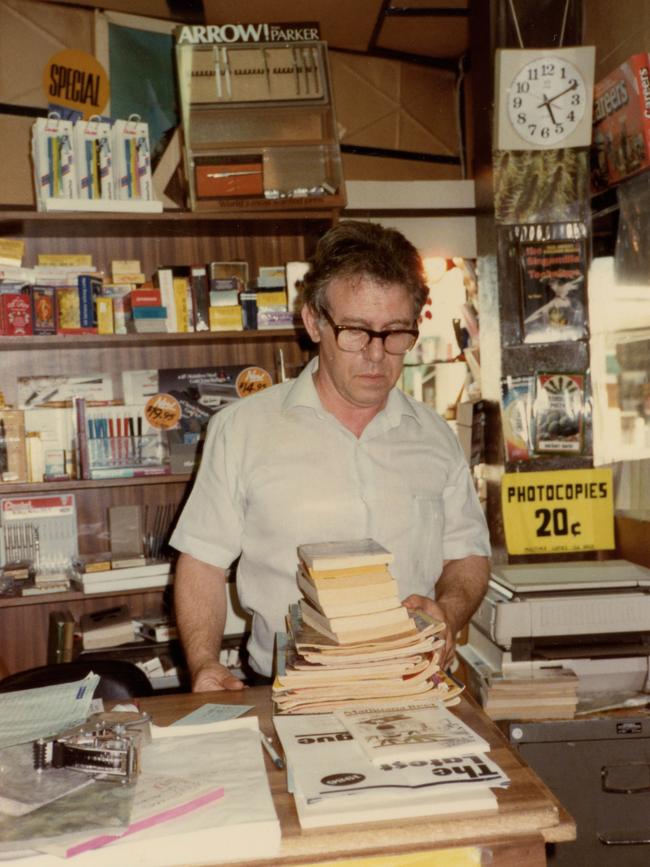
[(339, 453)]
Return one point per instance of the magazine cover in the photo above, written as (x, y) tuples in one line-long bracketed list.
[(517, 394), (553, 290), (559, 413), (199, 392), (409, 730)]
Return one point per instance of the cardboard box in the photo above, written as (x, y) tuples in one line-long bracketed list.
[(621, 140)]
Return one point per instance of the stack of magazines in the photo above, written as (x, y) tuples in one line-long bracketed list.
[(320, 668), (386, 761)]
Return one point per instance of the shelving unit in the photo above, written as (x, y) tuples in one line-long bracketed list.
[(266, 238)]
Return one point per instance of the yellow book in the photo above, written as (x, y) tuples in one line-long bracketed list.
[(11, 252), (226, 318), (272, 299), (69, 260), (105, 323), (68, 304), (180, 302)]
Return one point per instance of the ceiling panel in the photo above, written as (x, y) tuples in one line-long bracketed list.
[(344, 23), (432, 37)]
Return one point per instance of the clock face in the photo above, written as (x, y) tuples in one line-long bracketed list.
[(546, 101)]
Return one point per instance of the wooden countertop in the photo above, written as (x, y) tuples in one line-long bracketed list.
[(528, 816)]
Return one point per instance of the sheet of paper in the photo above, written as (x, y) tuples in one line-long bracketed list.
[(208, 713), (23, 789), (208, 793), (38, 713)]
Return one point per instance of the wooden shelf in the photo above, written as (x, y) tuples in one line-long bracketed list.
[(91, 341), (67, 596), (25, 488), (244, 210)]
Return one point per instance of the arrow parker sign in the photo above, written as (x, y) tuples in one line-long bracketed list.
[(558, 512)]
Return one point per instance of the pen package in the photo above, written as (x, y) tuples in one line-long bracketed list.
[(132, 159), (94, 158), (53, 158)]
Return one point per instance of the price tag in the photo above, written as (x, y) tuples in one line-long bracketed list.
[(557, 512), (162, 411)]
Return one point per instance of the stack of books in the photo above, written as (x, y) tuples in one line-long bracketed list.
[(349, 639), (549, 693), (109, 627), (386, 761), (152, 573)]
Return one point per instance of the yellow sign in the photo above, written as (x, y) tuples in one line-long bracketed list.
[(558, 512), (77, 80)]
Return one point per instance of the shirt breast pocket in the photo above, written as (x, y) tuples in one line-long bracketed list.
[(427, 532)]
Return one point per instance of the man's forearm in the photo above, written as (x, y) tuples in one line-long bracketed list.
[(460, 588), (200, 602)]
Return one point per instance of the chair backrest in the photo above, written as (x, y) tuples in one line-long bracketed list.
[(119, 679)]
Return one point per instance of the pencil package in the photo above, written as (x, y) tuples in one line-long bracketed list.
[(94, 159), (53, 157), (132, 159)]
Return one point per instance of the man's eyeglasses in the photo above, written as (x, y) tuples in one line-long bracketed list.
[(352, 338)]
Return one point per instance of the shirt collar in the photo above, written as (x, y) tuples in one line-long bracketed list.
[(303, 393)]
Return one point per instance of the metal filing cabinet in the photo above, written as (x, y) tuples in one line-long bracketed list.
[(599, 769)]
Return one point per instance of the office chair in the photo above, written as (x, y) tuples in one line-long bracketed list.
[(119, 679)]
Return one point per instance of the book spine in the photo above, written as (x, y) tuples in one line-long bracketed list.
[(200, 298), (165, 279), (180, 303), (83, 456), (128, 472), (88, 288)]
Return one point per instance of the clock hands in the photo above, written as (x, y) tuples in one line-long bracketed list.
[(547, 104), (548, 99)]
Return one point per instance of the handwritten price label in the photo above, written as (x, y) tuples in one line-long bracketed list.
[(557, 512), (162, 411)]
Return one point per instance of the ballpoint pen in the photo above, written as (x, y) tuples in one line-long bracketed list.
[(267, 743)]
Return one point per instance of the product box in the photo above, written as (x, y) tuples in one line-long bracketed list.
[(15, 314), (13, 461), (44, 314), (621, 140)]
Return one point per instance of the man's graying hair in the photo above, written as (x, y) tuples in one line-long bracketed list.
[(356, 249)]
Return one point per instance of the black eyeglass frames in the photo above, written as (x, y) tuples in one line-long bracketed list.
[(353, 338)]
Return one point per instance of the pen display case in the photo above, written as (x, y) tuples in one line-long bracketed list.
[(259, 126)]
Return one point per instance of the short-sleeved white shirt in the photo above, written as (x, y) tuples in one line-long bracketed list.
[(278, 470)]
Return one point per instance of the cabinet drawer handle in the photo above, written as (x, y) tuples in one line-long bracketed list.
[(624, 838), (630, 778)]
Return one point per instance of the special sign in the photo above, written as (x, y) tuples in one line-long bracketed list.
[(557, 512), (77, 80)]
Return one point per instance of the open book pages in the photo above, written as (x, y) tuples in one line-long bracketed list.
[(409, 730), (333, 782)]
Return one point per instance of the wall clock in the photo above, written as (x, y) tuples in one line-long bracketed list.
[(543, 98)]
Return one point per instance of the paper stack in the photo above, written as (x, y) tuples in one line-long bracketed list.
[(349, 639), (439, 768), (542, 694)]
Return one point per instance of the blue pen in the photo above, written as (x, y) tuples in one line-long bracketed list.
[(127, 160)]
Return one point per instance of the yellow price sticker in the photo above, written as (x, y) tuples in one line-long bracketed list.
[(558, 512)]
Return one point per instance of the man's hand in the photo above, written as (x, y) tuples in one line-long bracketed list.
[(213, 676), (415, 602)]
